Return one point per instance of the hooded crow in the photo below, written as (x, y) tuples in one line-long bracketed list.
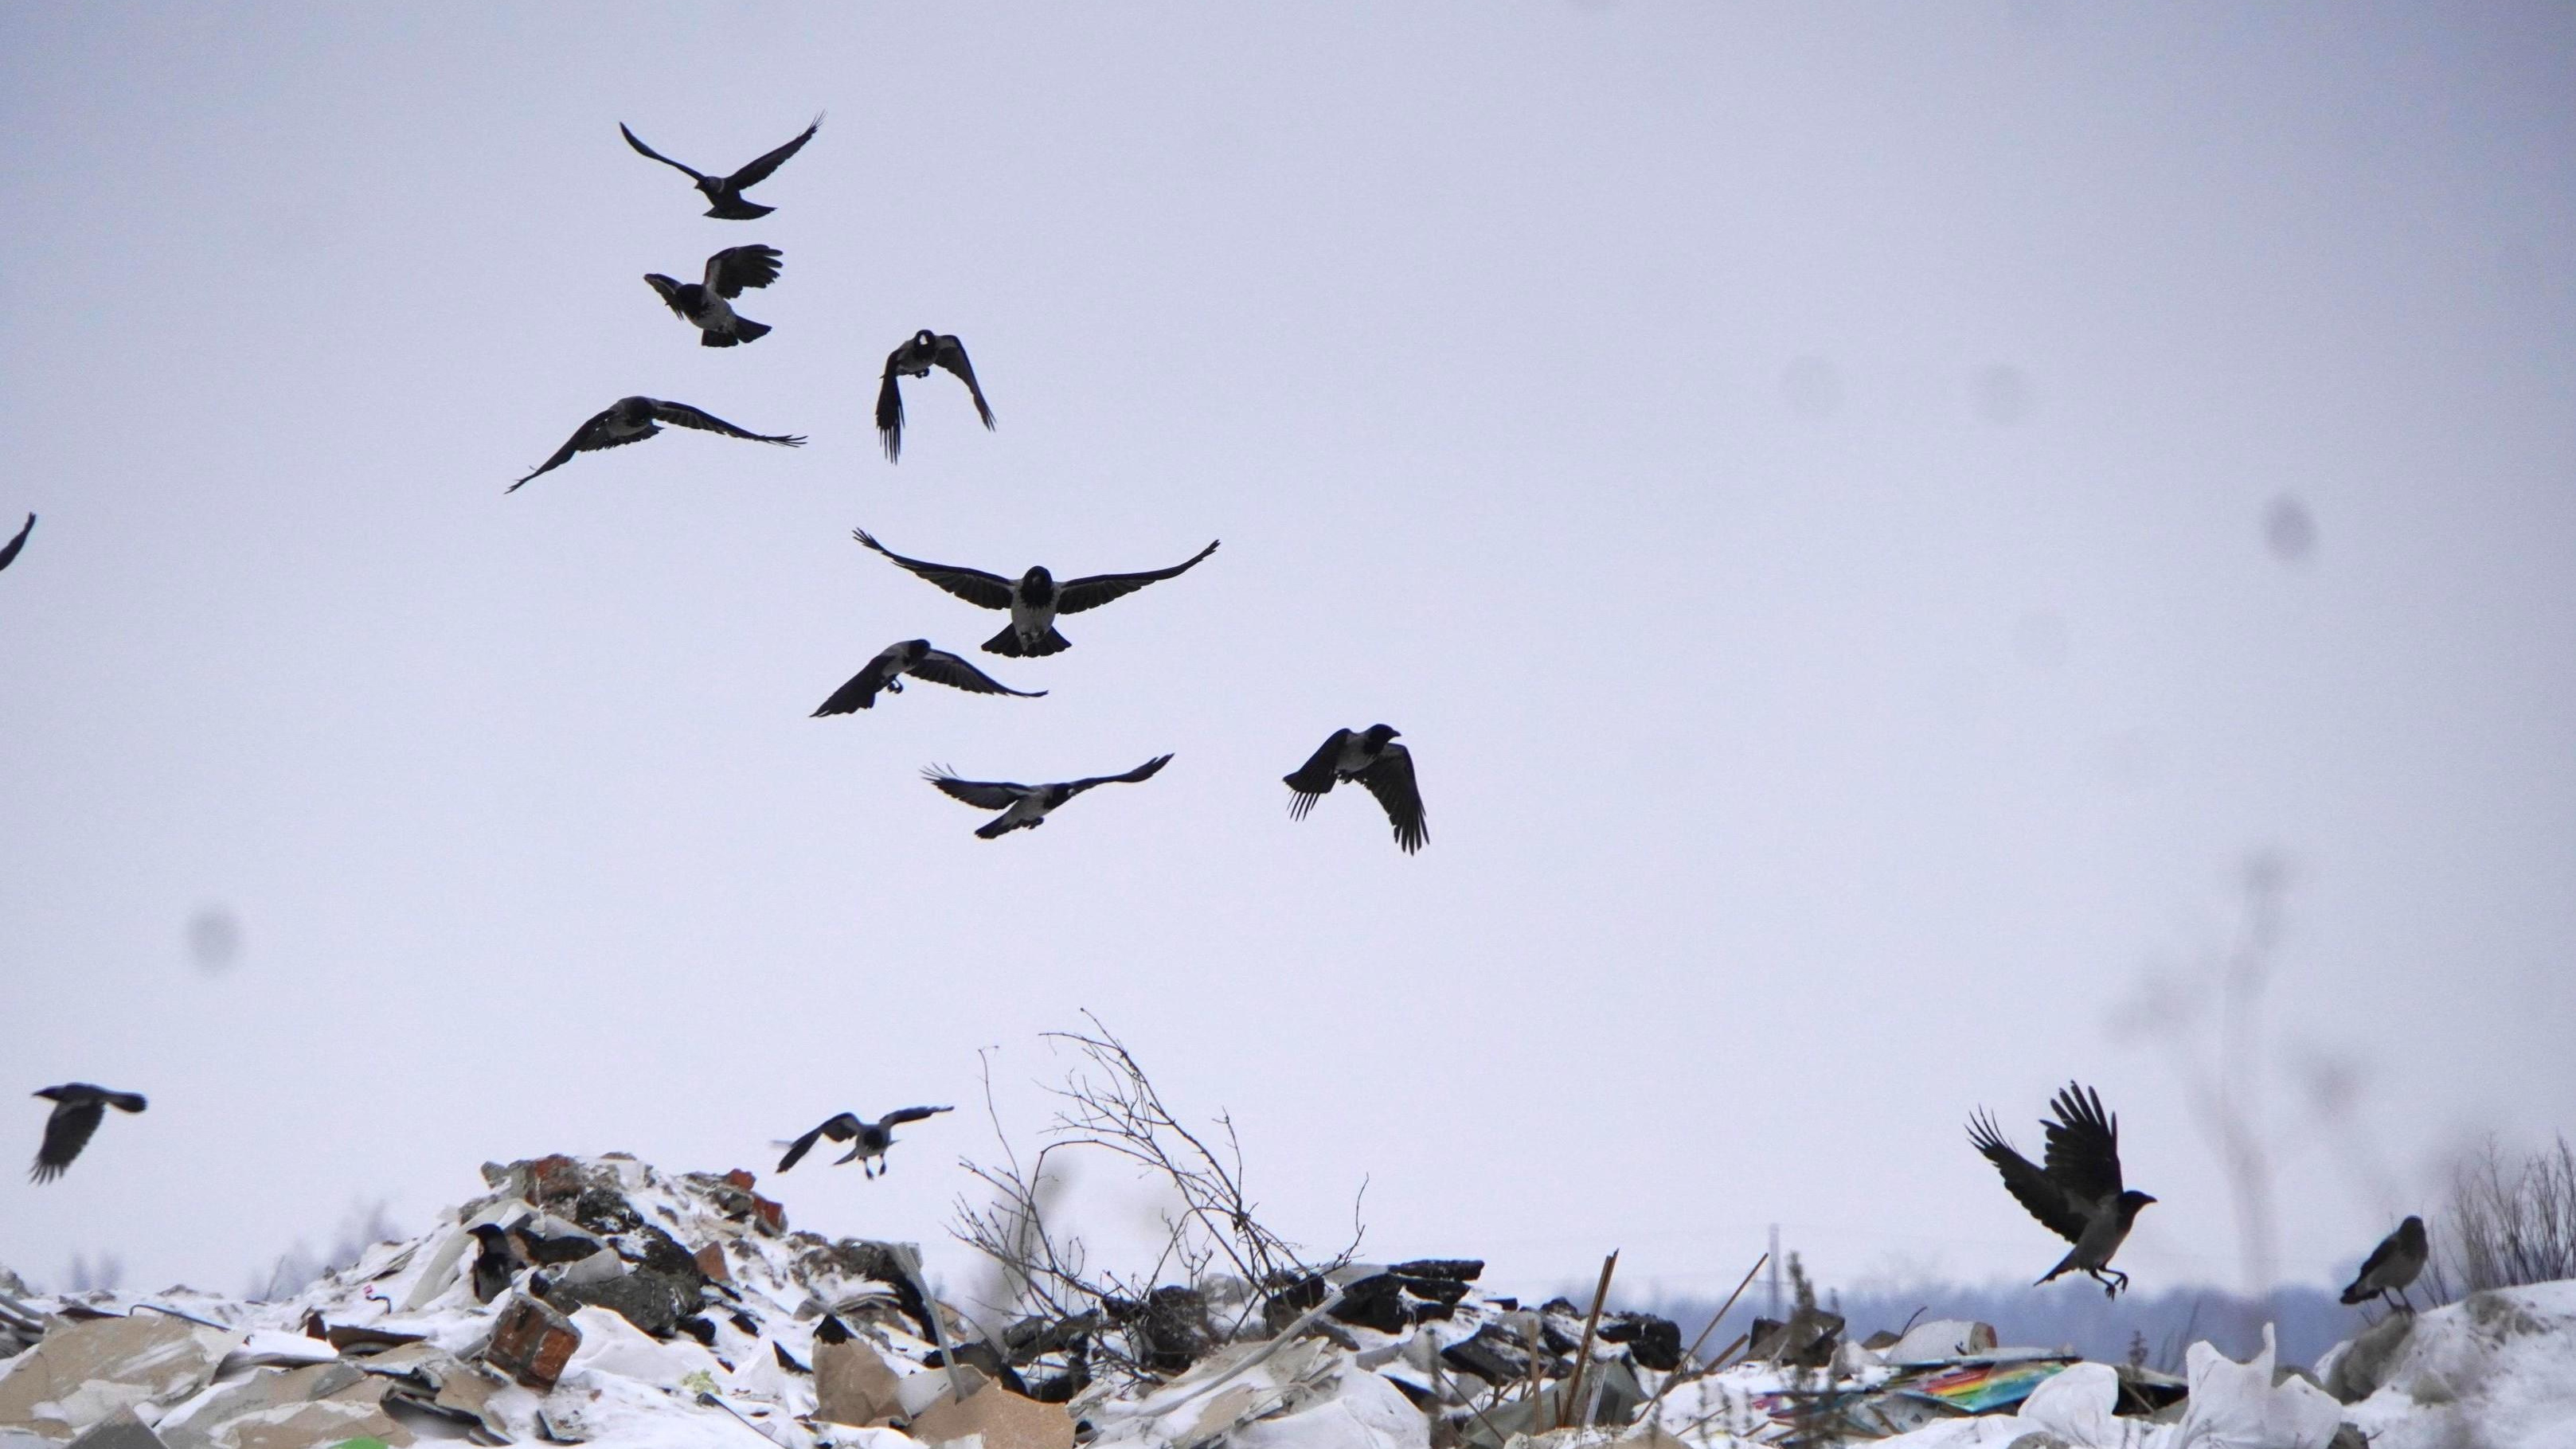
[(2392, 1265), (1035, 599), (915, 358), (724, 193), (872, 1138), (9, 550), (1371, 757), (497, 1261), (707, 305), (916, 658), (78, 1108), (2078, 1194), (1027, 805), (633, 419)]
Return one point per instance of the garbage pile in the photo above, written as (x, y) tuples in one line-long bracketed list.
[(600, 1301)]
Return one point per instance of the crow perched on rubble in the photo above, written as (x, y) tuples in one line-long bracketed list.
[(724, 193), (78, 1109), (9, 550), (926, 349), (1371, 757), (873, 1137), (2392, 1265), (1034, 599), (1026, 807), (498, 1260), (2078, 1195)]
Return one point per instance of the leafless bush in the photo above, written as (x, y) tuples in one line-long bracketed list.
[(2506, 1227), (296, 1269), (1107, 1106)]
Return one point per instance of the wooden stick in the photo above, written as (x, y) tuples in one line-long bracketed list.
[(1583, 1355), (1674, 1378)]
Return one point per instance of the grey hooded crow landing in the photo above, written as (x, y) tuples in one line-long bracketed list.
[(78, 1109), (2078, 1195), (724, 193), (708, 305), (9, 550), (915, 358), (1027, 806), (2392, 1265), (916, 658), (1034, 599), (1371, 757), (868, 1139), (633, 419)]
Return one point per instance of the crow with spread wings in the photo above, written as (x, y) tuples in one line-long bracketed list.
[(871, 1139), (724, 193), (1035, 599), (633, 419), (2078, 1195)]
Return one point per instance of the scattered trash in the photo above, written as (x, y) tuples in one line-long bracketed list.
[(639, 1310)]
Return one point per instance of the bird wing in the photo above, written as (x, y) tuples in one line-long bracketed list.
[(859, 690), (890, 410), (734, 268), (941, 667), (1314, 779), (758, 171), (669, 291), (2378, 1259), (2084, 1146), (683, 415), (950, 353), (982, 794), (983, 590), (1390, 779), (2036, 1191), (1099, 589), (694, 173), (67, 1131), (1136, 776), (840, 1127), (910, 1114), (9, 551), (590, 437)]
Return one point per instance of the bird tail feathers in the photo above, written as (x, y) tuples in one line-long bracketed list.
[(996, 829), (749, 331), (1007, 643), (719, 339)]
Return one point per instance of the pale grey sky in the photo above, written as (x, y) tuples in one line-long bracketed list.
[(1798, 478)]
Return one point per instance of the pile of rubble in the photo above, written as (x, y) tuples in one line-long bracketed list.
[(600, 1301)]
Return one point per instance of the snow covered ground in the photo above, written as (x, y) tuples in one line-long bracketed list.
[(602, 1301)]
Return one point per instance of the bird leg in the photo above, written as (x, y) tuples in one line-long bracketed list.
[(2109, 1288), (894, 686)]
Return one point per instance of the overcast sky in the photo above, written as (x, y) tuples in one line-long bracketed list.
[(1868, 519)]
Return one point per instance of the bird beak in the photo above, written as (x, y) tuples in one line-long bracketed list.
[(2144, 1200)]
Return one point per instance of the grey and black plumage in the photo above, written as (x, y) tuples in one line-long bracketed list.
[(914, 657), (915, 358), (2078, 1195), (1025, 807), (724, 193), (1371, 757), (496, 1262), (633, 419), (9, 550), (1034, 599), (707, 304), (2392, 1265), (867, 1139), (78, 1109)]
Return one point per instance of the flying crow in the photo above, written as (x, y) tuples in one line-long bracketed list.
[(1035, 599), (78, 1106), (9, 550), (724, 193), (633, 419), (707, 305), (1028, 805), (1371, 757), (872, 1138), (2078, 1195), (2392, 1265), (915, 358), (916, 658)]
